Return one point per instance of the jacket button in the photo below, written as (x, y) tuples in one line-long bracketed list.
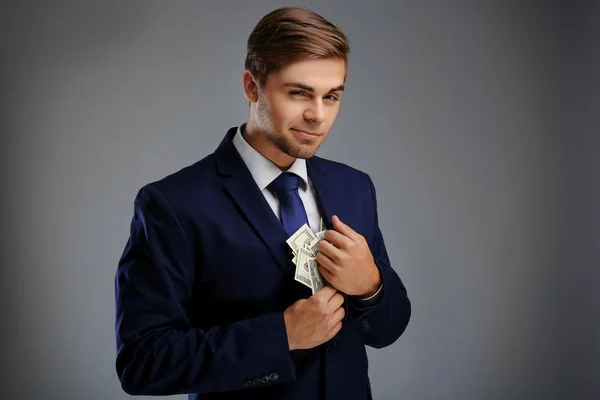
[(265, 379), (365, 324), (248, 383), (274, 376), (256, 381)]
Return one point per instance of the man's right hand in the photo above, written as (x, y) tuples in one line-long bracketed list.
[(313, 321)]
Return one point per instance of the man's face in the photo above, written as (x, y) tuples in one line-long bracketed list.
[(298, 105)]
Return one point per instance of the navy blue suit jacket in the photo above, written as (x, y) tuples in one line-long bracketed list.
[(206, 274)]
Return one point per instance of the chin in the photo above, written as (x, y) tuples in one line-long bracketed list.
[(303, 153), (294, 148)]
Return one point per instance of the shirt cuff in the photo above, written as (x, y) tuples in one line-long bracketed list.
[(371, 301)]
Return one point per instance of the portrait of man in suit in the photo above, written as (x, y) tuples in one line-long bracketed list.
[(210, 299)]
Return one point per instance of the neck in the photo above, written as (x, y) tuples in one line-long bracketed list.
[(259, 141)]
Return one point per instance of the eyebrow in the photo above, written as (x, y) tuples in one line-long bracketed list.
[(310, 89)]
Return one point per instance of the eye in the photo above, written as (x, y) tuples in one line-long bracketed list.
[(331, 97), (297, 93)]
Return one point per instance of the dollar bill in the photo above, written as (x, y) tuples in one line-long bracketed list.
[(301, 238), (305, 246), (320, 235), (316, 279), (302, 268), (313, 246), (302, 272)]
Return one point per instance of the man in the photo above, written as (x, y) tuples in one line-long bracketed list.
[(206, 297)]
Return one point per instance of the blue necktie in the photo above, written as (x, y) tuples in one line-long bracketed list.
[(293, 214)]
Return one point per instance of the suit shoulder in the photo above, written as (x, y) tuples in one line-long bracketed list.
[(339, 168), (181, 183)]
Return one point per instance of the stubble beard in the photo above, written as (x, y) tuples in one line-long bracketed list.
[(289, 148), (283, 143)]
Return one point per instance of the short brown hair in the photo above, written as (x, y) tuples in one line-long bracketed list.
[(290, 33)]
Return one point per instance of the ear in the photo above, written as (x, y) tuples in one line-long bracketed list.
[(250, 86)]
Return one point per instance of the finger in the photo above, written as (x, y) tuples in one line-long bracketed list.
[(326, 294), (329, 277), (336, 328), (326, 273), (326, 262), (328, 249), (337, 239), (335, 302), (344, 229), (338, 315)]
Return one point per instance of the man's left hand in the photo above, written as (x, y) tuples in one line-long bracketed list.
[(346, 261)]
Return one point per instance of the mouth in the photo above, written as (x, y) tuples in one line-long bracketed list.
[(306, 134)]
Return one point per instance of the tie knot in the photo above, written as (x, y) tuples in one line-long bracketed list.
[(285, 182)]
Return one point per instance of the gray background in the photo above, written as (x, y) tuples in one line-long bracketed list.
[(477, 120)]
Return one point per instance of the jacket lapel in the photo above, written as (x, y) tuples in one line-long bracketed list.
[(241, 187), (328, 195)]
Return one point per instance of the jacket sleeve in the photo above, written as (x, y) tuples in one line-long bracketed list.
[(159, 352), (385, 322)]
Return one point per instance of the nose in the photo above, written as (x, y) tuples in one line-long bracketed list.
[(315, 112)]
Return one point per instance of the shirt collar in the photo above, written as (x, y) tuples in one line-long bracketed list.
[(261, 168)]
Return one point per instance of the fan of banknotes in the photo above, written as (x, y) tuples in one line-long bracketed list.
[(305, 245)]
